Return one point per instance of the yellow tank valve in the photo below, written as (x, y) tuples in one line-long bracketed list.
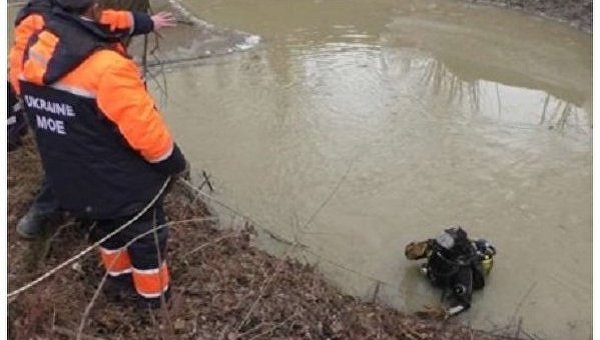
[(487, 263)]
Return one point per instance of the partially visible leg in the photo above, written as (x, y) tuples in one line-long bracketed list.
[(150, 271), (462, 289), (16, 124), (45, 209), (115, 258)]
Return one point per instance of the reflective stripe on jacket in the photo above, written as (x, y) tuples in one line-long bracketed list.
[(32, 17), (104, 146)]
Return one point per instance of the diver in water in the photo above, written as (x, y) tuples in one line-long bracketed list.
[(455, 263)]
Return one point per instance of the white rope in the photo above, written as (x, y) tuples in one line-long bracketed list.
[(90, 248), (304, 247), (235, 212)]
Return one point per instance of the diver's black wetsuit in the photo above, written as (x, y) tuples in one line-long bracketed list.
[(457, 268)]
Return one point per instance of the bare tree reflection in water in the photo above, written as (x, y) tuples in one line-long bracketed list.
[(441, 80), (555, 113), (560, 115), (563, 115)]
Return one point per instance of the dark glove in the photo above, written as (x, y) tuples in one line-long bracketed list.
[(185, 173), (172, 165)]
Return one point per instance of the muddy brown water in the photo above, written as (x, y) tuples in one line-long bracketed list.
[(380, 122)]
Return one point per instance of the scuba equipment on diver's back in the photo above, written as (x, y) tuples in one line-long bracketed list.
[(487, 262), (486, 253), (451, 250), (454, 263)]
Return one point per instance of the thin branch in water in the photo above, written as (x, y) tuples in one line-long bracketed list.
[(207, 181), (161, 71)]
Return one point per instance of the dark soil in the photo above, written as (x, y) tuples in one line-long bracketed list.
[(578, 13), (228, 289)]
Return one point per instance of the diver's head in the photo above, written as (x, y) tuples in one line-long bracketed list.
[(451, 237)]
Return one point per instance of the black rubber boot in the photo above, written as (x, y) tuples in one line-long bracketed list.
[(154, 303), (120, 289), (44, 211), (34, 223)]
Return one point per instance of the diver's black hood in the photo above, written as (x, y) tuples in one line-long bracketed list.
[(454, 243)]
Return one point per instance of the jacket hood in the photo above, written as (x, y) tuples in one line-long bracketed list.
[(72, 39), (42, 7)]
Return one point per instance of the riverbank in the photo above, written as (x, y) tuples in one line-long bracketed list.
[(578, 13), (216, 286), (224, 287)]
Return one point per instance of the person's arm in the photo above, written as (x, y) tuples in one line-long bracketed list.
[(125, 23), (23, 31), (124, 100)]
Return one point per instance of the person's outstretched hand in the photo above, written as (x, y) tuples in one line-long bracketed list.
[(163, 19)]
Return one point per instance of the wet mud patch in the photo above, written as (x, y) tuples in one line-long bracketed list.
[(224, 287), (578, 13)]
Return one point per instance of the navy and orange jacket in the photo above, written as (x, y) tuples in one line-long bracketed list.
[(105, 149), (32, 17)]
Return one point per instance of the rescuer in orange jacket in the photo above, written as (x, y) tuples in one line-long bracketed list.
[(31, 19), (103, 144)]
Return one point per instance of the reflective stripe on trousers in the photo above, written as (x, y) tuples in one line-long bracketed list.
[(142, 257), (116, 262), (151, 283)]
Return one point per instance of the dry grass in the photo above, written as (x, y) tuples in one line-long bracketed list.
[(224, 288)]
